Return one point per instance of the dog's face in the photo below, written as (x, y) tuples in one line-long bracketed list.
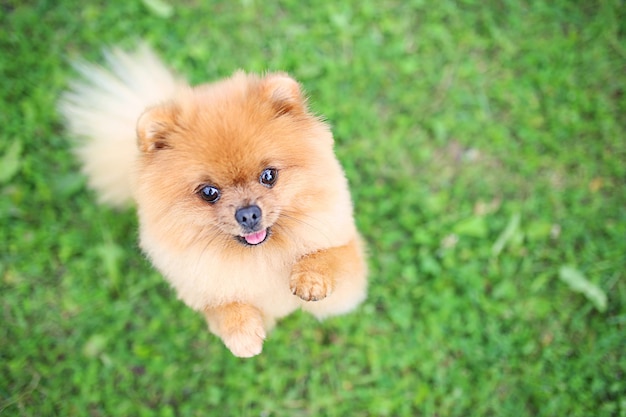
[(252, 223), (240, 162)]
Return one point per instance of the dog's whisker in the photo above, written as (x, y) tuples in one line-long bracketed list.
[(296, 217)]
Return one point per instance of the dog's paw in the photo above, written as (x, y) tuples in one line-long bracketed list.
[(246, 341), (310, 286)]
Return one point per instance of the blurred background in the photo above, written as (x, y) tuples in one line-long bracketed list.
[(485, 143)]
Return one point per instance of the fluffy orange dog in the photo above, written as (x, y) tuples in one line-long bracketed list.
[(242, 204)]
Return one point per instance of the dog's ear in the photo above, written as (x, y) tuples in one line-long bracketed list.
[(284, 93), (155, 126)]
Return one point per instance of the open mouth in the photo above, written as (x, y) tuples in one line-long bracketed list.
[(255, 238)]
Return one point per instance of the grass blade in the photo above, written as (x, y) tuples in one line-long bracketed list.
[(579, 283), (507, 234)]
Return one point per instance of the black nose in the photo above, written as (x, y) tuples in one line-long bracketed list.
[(248, 217)]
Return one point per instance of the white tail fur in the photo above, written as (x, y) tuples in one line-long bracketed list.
[(101, 110)]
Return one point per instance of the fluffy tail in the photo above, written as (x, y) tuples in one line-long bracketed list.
[(101, 111)]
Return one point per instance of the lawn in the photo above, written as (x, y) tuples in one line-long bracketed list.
[(485, 143)]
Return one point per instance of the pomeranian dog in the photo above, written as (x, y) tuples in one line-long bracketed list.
[(242, 204)]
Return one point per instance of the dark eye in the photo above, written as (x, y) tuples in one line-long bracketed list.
[(268, 176), (209, 193)]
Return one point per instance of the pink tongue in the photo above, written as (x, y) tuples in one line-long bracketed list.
[(256, 238)]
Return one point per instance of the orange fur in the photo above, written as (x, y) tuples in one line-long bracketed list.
[(224, 135), (240, 326)]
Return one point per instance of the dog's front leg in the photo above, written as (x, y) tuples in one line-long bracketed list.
[(240, 326), (315, 276)]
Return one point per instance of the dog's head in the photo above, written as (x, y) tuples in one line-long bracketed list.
[(238, 162)]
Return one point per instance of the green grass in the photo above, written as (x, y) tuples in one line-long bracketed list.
[(486, 147)]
